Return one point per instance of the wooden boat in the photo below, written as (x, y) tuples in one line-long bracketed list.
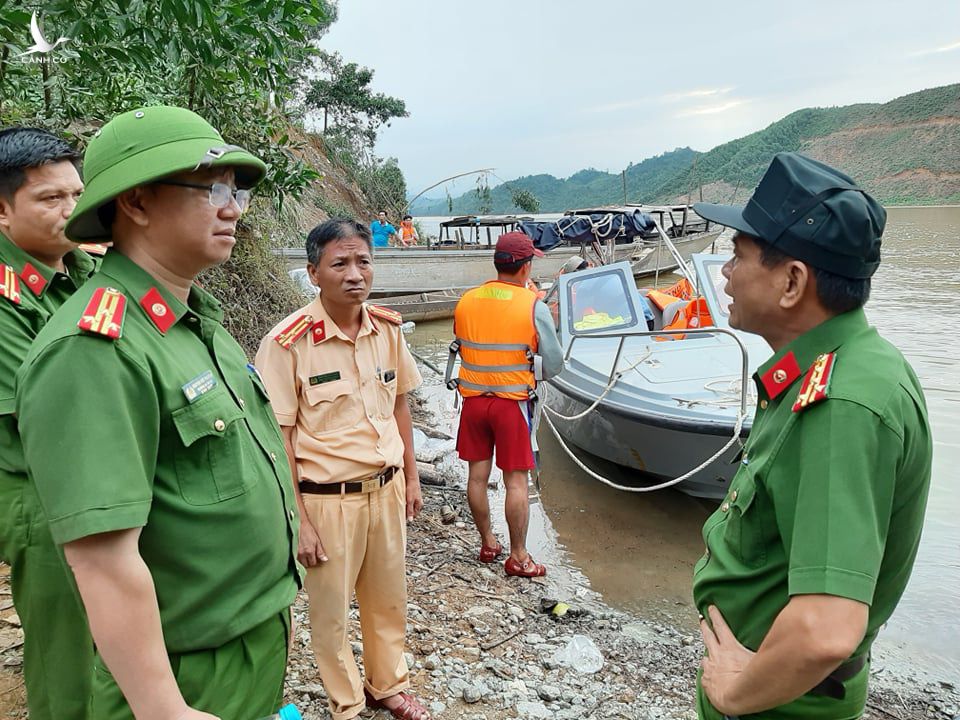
[(420, 307), (464, 258), (417, 307)]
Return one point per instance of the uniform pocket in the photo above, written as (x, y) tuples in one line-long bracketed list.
[(386, 396), (208, 460), (332, 406), (744, 531)]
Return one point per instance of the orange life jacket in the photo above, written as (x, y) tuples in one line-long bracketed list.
[(497, 339), (406, 230), (681, 290), (693, 315)]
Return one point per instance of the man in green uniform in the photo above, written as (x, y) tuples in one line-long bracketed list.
[(812, 547), (166, 480), (39, 270)]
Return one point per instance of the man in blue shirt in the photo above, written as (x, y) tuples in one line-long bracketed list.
[(382, 231)]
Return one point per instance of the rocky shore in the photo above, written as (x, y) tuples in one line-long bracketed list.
[(482, 646)]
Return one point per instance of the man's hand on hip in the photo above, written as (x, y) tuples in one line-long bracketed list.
[(724, 661)]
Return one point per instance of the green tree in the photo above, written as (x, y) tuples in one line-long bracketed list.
[(236, 62), (344, 95), (525, 200)]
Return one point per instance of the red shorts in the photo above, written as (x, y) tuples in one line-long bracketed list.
[(488, 422)]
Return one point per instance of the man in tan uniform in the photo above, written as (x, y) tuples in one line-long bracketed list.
[(337, 372)]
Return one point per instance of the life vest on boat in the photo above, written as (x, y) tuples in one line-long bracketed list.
[(694, 314), (681, 290), (496, 338)]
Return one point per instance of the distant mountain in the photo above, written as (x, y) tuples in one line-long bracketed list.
[(905, 151)]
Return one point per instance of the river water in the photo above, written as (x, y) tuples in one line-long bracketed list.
[(638, 550)]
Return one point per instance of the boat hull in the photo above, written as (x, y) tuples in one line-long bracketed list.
[(657, 448)]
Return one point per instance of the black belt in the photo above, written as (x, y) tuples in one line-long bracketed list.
[(374, 482), (832, 685)]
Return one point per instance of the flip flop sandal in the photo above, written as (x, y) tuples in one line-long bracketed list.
[(409, 709), (490, 554), (528, 568)]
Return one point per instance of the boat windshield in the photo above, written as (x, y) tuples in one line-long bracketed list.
[(709, 270), (599, 302)]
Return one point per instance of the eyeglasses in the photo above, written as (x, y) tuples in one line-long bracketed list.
[(220, 193)]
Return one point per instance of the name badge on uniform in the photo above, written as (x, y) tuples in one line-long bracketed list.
[(200, 385), (389, 375), (325, 378)]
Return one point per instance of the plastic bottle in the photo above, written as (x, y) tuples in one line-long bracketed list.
[(287, 712)]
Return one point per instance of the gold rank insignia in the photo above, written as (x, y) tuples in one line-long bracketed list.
[(9, 284), (93, 249), (386, 314), (104, 313), (294, 331), (816, 383)]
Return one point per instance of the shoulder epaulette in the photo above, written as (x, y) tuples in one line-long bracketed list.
[(385, 314), (104, 313), (9, 284), (93, 249), (294, 331), (816, 383)]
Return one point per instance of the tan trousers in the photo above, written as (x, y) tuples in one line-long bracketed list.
[(365, 537)]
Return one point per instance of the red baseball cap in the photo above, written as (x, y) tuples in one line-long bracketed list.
[(517, 245)]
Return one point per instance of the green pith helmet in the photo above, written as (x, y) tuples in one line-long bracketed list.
[(144, 145)]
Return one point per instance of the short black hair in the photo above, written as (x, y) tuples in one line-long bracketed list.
[(334, 229), (836, 293), (512, 267), (408, 217), (23, 148)]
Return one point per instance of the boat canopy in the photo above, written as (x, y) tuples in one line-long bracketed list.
[(619, 225)]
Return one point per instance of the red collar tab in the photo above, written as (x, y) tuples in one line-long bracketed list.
[(9, 284), (104, 313), (387, 314), (157, 310), (779, 377), (294, 331), (318, 332), (816, 384), (33, 279)]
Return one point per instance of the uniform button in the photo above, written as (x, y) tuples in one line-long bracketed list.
[(707, 552), (290, 515), (733, 496), (273, 457), (763, 404), (242, 403), (725, 507), (219, 425)]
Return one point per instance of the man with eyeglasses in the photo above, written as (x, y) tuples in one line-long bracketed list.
[(39, 270), (167, 482)]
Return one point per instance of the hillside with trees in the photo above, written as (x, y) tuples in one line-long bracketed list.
[(906, 151), (257, 71)]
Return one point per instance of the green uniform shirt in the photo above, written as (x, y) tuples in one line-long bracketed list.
[(828, 499), (169, 429), (41, 290)]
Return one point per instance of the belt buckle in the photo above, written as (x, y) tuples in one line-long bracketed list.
[(370, 484)]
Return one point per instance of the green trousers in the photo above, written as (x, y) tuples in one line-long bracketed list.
[(240, 680), (57, 647)]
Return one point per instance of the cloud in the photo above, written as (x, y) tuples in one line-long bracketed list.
[(711, 109), (952, 47), (696, 94)]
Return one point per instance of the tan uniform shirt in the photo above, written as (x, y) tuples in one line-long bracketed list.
[(339, 394)]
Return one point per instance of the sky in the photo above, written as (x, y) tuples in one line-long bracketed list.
[(554, 86)]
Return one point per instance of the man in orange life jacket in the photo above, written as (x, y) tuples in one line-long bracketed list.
[(507, 342)]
